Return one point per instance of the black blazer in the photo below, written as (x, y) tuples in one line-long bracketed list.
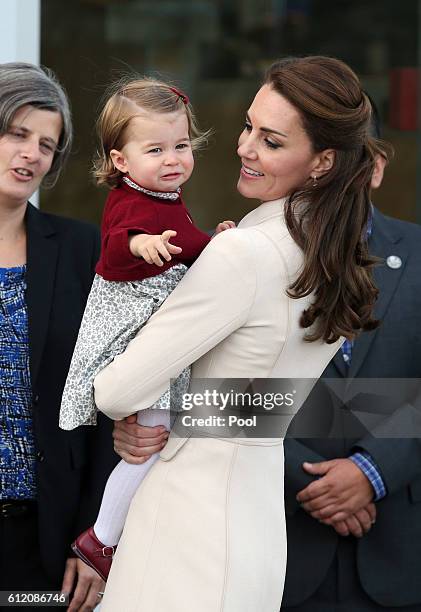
[(72, 467), (389, 556)]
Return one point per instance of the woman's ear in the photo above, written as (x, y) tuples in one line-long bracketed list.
[(118, 160), (378, 172), (324, 162)]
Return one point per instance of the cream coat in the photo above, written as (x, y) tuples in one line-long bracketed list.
[(206, 529)]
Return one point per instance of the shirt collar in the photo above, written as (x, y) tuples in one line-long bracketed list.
[(266, 210), (163, 195)]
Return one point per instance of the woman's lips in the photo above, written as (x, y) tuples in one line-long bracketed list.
[(22, 174), (249, 173)]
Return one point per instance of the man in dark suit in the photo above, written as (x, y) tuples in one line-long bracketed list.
[(369, 557)]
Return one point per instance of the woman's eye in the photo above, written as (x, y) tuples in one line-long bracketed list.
[(247, 126), (271, 144), (47, 147), (16, 133)]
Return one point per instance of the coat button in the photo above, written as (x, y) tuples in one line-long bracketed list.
[(40, 456), (36, 400)]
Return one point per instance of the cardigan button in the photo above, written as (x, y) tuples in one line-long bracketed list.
[(36, 400), (40, 456)]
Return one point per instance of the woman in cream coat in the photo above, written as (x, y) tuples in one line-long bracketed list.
[(206, 530)]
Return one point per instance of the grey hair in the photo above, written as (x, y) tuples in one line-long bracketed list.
[(24, 84)]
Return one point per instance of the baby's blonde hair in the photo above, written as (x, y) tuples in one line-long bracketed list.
[(124, 98)]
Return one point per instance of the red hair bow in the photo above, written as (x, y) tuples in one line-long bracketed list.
[(182, 95)]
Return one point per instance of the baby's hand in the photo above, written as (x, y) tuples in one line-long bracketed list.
[(150, 247), (224, 225)]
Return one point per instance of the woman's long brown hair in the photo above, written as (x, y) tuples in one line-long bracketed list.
[(329, 220)]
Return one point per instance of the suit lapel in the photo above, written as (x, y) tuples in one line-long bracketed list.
[(339, 363), (42, 254), (385, 241)]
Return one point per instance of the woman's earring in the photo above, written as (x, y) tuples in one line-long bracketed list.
[(314, 181)]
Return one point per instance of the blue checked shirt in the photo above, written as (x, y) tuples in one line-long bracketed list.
[(17, 447), (362, 459), (366, 464)]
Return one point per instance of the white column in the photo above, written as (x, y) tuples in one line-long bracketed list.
[(20, 32)]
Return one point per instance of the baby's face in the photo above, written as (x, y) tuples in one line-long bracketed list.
[(157, 153)]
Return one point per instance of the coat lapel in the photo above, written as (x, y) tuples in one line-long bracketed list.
[(42, 251), (386, 240)]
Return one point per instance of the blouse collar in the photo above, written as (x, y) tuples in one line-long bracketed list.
[(15, 274), (163, 195)]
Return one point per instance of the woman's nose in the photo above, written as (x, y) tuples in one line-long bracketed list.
[(30, 150), (246, 147)]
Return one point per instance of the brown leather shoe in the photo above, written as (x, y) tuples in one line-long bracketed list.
[(94, 553)]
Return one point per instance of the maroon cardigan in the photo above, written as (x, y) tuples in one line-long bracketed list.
[(127, 212)]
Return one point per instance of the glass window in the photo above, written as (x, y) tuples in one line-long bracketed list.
[(217, 50)]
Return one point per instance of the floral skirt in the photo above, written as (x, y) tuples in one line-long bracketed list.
[(115, 312)]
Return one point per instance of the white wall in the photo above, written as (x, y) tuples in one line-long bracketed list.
[(20, 22)]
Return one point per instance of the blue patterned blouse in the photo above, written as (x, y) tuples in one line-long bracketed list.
[(17, 447)]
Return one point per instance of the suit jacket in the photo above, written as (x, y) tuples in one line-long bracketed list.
[(71, 466), (389, 556)]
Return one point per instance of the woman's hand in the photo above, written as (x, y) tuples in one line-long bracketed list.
[(151, 246), (136, 443), (86, 584), (224, 225)]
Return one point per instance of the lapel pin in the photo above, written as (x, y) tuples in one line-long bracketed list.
[(394, 262)]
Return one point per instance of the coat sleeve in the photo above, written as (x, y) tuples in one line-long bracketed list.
[(395, 446), (296, 479), (212, 300)]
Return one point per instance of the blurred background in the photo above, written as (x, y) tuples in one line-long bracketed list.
[(217, 51)]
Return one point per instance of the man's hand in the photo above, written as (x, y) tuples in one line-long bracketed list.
[(151, 246), (135, 443), (357, 524), (224, 225), (341, 491), (87, 585)]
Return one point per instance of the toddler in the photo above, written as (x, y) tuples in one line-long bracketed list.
[(147, 132)]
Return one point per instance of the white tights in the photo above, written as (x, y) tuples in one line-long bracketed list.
[(123, 483)]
